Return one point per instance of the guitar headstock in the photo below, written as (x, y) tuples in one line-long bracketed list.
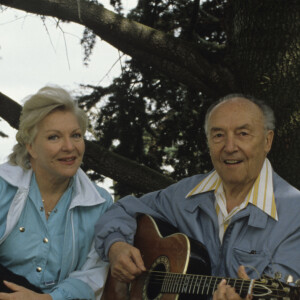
[(272, 288)]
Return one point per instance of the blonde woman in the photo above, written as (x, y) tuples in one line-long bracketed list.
[(49, 206)]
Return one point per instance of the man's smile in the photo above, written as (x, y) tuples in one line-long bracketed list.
[(232, 162)]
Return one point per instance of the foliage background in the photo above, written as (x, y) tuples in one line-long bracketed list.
[(189, 54)]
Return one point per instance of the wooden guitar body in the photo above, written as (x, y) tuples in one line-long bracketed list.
[(164, 251), (178, 268)]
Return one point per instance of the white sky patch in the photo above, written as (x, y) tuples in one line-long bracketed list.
[(33, 55)]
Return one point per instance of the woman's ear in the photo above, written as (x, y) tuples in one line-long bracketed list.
[(31, 151)]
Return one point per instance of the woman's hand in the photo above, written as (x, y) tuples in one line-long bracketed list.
[(21, 293)]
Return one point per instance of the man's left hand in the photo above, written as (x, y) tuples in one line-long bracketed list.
[(226, 292)]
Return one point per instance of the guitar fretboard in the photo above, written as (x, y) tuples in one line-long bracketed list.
[(196, 284), (192, 284)]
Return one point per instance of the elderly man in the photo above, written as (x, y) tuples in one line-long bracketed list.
[(242, 211)]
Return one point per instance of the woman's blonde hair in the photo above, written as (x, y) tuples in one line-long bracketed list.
[(35, 109)]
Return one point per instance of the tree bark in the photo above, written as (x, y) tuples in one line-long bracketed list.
[(265, 52), (10, 110)]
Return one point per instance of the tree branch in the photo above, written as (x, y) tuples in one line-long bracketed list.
[(124, 170), (99, 159), (10, 111), (173, 57), (210, 17)]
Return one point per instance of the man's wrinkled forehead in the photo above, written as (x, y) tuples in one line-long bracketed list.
[(238, 110), (237, 104), (235, 100)]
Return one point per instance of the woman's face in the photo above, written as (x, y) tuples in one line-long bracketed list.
[(58, 148)]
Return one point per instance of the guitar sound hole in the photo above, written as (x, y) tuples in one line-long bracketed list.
[(155, 281), (152, 288)]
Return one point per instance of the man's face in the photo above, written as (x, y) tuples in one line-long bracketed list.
[(238, 142)]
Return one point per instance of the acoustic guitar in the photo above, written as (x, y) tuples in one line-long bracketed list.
[(174, 262)]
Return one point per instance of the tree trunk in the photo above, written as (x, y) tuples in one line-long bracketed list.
[(265, 55)]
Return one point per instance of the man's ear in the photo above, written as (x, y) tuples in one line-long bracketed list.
[(269, 140)]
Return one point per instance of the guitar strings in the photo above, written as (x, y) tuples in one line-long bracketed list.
[(241, 285)]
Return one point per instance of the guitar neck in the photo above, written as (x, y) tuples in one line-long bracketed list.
[(191, 284), (199, 284)]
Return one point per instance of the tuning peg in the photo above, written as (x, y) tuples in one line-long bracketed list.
[(278, 275), (289, 279), (297, 282)]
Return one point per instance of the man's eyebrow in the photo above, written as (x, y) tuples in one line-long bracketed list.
[(216, 129), (244, 126)]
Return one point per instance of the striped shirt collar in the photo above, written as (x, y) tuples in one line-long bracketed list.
[(260, 195)]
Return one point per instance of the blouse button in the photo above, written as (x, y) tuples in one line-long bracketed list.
[(39, 269), (22, 229), (45, 240)]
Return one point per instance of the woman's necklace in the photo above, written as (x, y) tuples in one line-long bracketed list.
[(47, 211)]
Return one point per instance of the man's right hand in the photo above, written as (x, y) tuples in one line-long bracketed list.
[(126, 262)]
